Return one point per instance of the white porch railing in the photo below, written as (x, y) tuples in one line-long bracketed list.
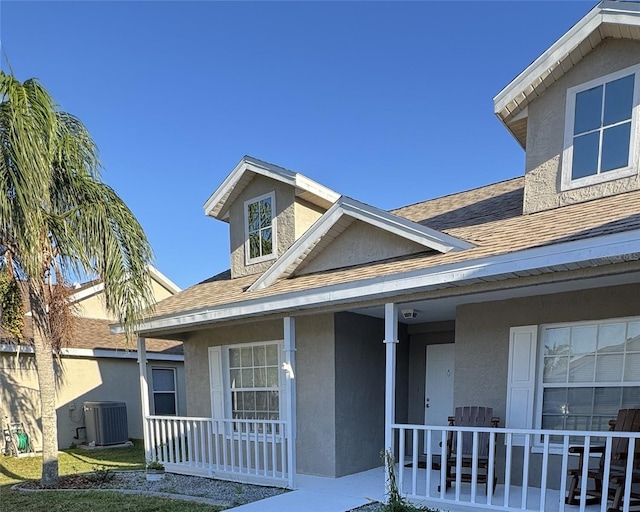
[(249, 451), (530, 468)]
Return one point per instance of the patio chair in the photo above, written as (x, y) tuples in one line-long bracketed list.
[(470, 417), (628, 420)]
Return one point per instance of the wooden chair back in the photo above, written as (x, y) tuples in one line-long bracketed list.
[(628, 420), (472, 416)]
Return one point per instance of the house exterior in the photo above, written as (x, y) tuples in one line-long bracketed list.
[(341, 329), (95, 366)]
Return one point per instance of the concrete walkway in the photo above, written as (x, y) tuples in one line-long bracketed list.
[(317, 494)]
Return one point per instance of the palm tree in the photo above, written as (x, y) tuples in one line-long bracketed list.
[(58, 221)]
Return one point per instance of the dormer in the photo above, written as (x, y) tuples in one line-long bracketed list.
[(576, 111), (268, 208)]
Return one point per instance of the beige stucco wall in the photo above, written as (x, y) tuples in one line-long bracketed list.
[(77, 380), (361, 243), (305, 215), (545, 131), (285, 223)]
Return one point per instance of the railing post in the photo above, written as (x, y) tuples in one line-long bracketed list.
[(144, 396), (289, 366), (390, 341)]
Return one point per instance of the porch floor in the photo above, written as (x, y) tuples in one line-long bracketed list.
[(320, 494)]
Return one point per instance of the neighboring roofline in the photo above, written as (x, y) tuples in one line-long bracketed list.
[(215, 204), (96, 353), (617, 247), (85, 293), (624, 13), (371, 215)]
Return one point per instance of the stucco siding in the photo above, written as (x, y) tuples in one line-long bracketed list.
[(78, 380), (545, 131), (316, 395), (361, 243), (360, 370), (305, 215), (285, 223)]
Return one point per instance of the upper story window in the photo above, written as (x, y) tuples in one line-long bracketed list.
[(260, 228), (600, 133)]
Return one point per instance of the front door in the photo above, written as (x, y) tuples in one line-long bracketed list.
[(439, 388)]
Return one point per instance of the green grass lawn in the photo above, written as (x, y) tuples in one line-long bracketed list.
[(14, 470)]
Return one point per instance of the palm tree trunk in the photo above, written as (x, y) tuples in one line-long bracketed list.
[(47, 384)]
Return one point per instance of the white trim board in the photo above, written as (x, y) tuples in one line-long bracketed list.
[(311, 190), (303, 247), (558, 58), (96, 353), (608, 249)]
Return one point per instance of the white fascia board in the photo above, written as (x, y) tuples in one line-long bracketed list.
[(164, 280), (87, 292), (554, 54), (96, 353), (405, 228), (609, 246), (413, 231), (250, 164)]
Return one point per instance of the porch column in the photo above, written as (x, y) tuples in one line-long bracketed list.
[(390, 341), (289, 366), (144, 395)]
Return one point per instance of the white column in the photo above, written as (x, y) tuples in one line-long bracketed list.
[(290, 367), (390, 341), (144, 395)]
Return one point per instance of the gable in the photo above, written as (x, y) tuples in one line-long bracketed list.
[(358, 244)]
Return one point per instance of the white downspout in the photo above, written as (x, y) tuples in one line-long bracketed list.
[(390, 341), (144, 395), (289, 366)]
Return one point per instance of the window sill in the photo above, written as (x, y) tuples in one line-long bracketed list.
[(625, 172)]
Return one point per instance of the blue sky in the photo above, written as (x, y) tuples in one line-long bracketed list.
[(386, 102)]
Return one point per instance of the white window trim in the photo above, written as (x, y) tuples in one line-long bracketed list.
[(567, 154), (537, 446), (226, 385), (274, 231), (175, 387)]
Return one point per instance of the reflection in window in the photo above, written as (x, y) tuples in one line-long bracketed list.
[(259, 219), (589, 372)]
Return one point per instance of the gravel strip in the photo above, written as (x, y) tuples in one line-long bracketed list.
[(221, 491)]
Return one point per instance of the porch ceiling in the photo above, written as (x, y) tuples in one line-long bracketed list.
[(434, 310)]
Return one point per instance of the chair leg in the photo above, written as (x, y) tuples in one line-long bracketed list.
[(617, 500), (571, 495)]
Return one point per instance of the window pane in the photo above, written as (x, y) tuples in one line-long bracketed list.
[(265, 212), (247, 378), (583, 339), (588, 110), (581, 368), (557, 341), (611, 337), (632, 368), (164, 404), (259, 356), (267, 243), (272, 355), (607, 402), (246, 357), (272, 377), (253, 216), (554, 401), (618, 100), (249, 401), (274, 401), (580, 401), (555, 369), (234, 357), (260, 377), (609, 368), (585, 155), (630, 398), (254, 245), (261, 400), (235, 379), (163, 380), (633, 336), (615, 147)]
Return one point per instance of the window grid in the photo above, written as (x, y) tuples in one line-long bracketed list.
[(587, 402), (254, 378), (164, 391), (259, 220)]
